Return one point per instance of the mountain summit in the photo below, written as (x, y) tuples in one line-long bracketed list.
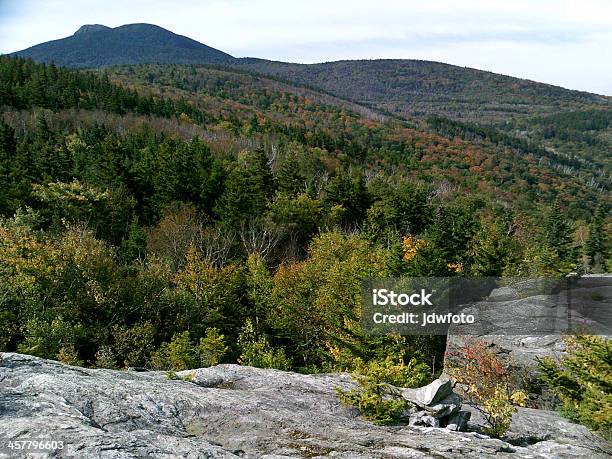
[(96, 45), (91, 28)]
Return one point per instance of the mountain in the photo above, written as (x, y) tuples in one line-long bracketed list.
[(400, 87), (173, 217), (415, 88), (472, 104), (99, 46)]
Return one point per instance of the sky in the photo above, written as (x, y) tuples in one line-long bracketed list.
[(562, 42)]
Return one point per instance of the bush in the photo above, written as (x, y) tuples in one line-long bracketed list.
[(212, 348), (177, 355), (256, 351), (583, 381), (105, 358), (47, 339), (69, 356), (377, 396), (488, 385), (134, 345)]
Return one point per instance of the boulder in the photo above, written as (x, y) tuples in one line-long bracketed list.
[(430, 394), (422, 418), (445, 407)]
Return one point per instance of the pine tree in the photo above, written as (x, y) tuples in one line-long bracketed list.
[(558, 233), (7, 153), (595, 247), (349, 190), (247, 190), (289, 176)]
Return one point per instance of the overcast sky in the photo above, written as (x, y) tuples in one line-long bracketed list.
[(563, 42)]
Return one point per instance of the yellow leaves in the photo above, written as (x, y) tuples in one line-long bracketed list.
[(499, 410), (519, 398), (74, 192), (456, 267), (411, 246), (184, 119)]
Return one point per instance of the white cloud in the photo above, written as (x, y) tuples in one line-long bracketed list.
[(556, 41)]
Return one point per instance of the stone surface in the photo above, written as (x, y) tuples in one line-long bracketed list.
[(459, 421), (518, 305), (431, 393), (445, 407), (230, 411), (423, 419)]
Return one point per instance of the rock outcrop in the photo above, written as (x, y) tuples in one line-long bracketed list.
[(229, 411), (436, 405), (592, 293)]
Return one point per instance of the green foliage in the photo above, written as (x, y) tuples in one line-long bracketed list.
[(582, 379), (134, 344), (492, 248), (177, 355), (69, 203), (211, 197), (69, 356), (377, 396), (212, 348), (598, 246), (246, 190), (27, 84), (256, 351), (105, 357), (348, 189), (558, 232), (50, 339)]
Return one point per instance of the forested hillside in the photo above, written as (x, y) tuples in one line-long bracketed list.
[(401, 87), (412, 88), (173, 216)]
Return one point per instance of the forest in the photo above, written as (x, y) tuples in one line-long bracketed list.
[(172, 217)]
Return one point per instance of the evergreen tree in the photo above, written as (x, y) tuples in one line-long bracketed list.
[(596, 246), (349, 190), (558, 233), (247, 189), (289, 177), (7, 154)]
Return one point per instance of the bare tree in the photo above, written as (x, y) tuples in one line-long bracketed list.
[(215, 245), (259, 237)]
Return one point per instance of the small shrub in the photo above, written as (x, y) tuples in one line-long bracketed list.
[(133, 345), (177, 355), (583, 381), (488, 386), (105, 358), (69, 356), (47, 339), (256, 351), (212, 348), (189, 377), (377, 396), (173, 376)]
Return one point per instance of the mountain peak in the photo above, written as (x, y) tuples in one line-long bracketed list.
[(91, 28), (96, 45)]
